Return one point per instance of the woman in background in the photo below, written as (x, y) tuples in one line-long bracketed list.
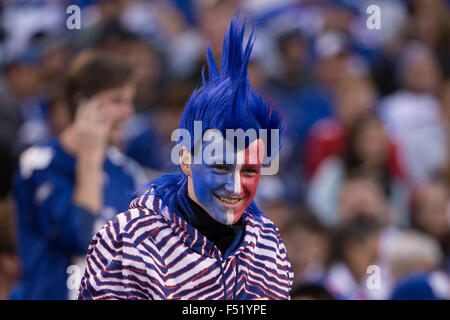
[(66, 188)]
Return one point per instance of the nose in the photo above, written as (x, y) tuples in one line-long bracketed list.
[(233, 184), (229, 187)]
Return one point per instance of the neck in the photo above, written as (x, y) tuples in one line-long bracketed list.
[(220, 234)]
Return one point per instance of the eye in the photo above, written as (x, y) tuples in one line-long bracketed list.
[(116, 100), (250, 171), (220, 168)]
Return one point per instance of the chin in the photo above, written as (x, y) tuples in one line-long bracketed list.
[(228, 218)]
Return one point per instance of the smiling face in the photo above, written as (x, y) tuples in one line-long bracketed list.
[(226, 190)]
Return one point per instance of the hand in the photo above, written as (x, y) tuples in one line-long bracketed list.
[(92, 130)]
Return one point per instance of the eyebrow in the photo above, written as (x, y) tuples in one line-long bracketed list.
[(224, 165), (251, 166)]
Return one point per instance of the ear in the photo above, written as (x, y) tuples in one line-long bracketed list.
[(185, 161)]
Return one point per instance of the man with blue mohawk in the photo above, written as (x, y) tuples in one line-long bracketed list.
[(198, 234)]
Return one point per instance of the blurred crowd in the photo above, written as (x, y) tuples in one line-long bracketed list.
[(364, 174)]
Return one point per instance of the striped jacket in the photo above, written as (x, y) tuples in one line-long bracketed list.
[(149, 253)]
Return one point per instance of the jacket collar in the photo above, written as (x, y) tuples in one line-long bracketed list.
[(191, 237)]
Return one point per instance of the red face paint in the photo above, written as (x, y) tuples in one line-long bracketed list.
[(247, 175)]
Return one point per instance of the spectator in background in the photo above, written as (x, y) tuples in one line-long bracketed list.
[(66, 188), (55, 59), (140, 131), (23, 116), (422, 286), (21, 99), (412, 114), (294, 72), (355, 246), (104, 15), (162, 88), (306, 94), (416, 264), (271, 198), (430, 214), (355, 96), (307, 245), (284, 89), (334, 61), (55, 55), (367, 153), (174, 96), (9, 264), (430, 24), (361, 194), (183, 45)]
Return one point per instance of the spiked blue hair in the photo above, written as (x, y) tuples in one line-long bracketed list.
[(225, 101)]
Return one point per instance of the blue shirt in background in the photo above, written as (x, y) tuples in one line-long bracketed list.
[(51, 230)]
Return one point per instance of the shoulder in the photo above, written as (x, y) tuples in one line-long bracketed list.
[(135, 225), (129, 166), (266, 233), (44, 171), (36, 159), (269, 249), (117, 260)]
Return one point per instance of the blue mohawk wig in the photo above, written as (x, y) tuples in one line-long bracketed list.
[(226, 100)]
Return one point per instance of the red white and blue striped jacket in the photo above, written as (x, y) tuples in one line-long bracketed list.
[(149, 253)]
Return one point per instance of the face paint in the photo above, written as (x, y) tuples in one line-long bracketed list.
[(226, 190)]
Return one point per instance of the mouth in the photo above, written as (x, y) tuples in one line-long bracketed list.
[(229, 201)]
